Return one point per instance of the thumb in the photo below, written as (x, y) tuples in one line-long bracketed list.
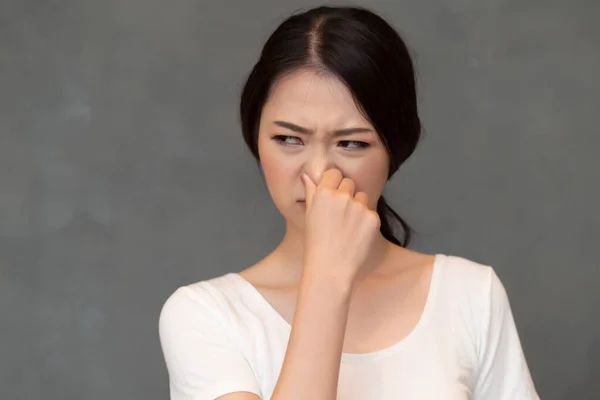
[(309, 188)]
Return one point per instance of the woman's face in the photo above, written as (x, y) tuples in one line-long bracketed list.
[(310, 124)]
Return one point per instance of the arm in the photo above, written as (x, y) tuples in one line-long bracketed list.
[(340, 230), (339, 233), (312, 361), (204, 363), (239, 396)]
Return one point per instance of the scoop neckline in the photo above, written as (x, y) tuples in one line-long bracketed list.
[(361, 357)]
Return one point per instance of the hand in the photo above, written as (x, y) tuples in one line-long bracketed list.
[(340, 229)]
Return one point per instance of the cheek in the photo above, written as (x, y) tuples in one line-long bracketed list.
[(370, 177), (274, 174), (277, 173)]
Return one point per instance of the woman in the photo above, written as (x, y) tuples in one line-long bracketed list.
[(340, 308)]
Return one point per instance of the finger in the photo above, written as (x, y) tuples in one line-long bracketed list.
[(347, 186), (331, 179), (309, 190), (361, 197)]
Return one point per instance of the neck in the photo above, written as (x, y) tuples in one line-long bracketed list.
[(290, 253)]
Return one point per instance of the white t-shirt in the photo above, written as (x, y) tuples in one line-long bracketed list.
[(221, 336)]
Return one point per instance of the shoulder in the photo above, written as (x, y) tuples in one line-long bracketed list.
[(482, 309), (470, 277), (471, 288), (474, 291), (201, 343), (206, 302)]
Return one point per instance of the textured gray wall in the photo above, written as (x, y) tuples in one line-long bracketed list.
[(123, 174)]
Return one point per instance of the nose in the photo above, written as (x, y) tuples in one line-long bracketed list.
[(317, 165)]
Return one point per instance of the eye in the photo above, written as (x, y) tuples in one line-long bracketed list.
[(285, 140), (352, 145), (355, 144)]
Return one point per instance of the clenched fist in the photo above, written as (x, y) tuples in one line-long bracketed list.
[(340, 228)]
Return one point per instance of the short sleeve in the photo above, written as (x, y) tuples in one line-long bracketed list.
[(202, 360), (503, 373)]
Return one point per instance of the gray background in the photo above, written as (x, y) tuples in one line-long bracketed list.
[(123, 174)]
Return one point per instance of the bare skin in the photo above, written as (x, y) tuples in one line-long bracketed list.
[(311, 125), (384, 308)]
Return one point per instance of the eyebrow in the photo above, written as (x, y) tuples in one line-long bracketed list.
[(336, 133)]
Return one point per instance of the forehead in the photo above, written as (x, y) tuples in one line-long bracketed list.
[(306, 94)]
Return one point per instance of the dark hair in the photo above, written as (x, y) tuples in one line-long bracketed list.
[(368, 56)]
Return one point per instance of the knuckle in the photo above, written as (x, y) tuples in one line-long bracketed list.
[(373, 218), (343, 196), (362, 196), (357, 202), (348, 181)]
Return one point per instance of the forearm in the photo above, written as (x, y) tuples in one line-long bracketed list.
[(312, 362)]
